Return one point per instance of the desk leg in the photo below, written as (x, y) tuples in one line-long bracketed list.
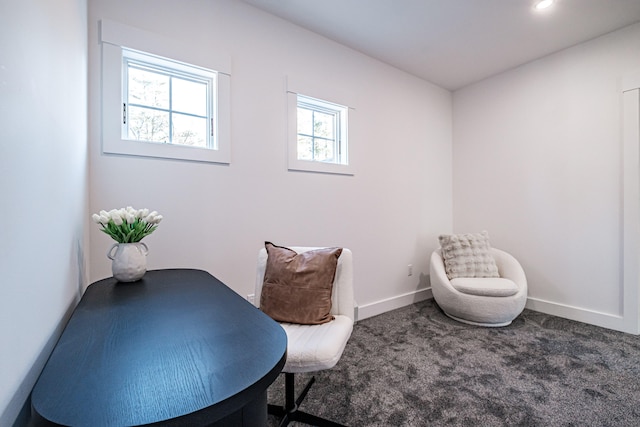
[(253, 414)]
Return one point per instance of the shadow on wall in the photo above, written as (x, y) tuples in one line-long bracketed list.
[(24, 417)]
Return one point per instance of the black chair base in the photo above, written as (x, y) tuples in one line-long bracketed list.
[(290, 412)]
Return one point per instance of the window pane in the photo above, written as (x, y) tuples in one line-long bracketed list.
[(148, 125), (324, 125), (320, 140), (148, 88), (305, 148), (305, 118), (189, 97), (189, 130), (323, 150)]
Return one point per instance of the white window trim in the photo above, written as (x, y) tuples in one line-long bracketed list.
[(294, 88), (114, 36)]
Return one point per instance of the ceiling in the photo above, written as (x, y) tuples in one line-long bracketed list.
[(453, 43)]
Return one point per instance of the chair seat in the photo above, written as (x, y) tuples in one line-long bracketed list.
[(316, 347), (485, 286)]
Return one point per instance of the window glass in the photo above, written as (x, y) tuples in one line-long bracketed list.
[(189, 130), (305, 121), (167, 104), (189, 97), (321, 128), (146, 124), (148, 88)]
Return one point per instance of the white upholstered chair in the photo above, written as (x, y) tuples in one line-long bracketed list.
[(312, 348), (481, 301)]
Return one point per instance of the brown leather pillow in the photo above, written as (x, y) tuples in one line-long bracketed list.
[(297, 286)]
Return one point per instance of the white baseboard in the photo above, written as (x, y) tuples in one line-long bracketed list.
[(382, 306), (605, 320)]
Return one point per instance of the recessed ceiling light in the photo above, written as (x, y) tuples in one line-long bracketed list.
[(543, 4)]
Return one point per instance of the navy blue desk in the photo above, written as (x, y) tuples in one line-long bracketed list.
[(176, 348)]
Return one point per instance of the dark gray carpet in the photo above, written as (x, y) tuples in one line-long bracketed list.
[(416, 367)]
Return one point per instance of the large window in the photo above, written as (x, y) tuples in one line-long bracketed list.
[(167, 102), (158, 103)]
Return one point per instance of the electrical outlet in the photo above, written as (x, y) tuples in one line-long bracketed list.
[(251, 298), (410, 270)]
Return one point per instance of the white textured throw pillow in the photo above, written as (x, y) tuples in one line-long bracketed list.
[(468, 255)]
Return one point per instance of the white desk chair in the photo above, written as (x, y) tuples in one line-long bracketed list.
[(312, 348)]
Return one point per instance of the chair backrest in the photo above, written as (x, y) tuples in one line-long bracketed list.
[(342, 294)]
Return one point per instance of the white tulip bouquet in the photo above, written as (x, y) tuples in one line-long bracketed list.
[(127, 225)]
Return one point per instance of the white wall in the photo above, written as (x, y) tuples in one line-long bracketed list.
[(538, 163), (218, 217), (43, 182)]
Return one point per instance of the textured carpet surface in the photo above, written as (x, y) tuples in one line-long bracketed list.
[(416, 367)]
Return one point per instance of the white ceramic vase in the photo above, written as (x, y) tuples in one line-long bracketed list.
[(129, 261)]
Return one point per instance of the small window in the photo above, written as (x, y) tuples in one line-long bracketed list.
[(167, 102), (318, 137), (322, 131)]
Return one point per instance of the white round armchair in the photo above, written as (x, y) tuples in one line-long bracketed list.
[(481, 301)]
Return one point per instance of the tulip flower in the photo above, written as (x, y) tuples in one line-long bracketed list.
[(129, 217), (127, 225)]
